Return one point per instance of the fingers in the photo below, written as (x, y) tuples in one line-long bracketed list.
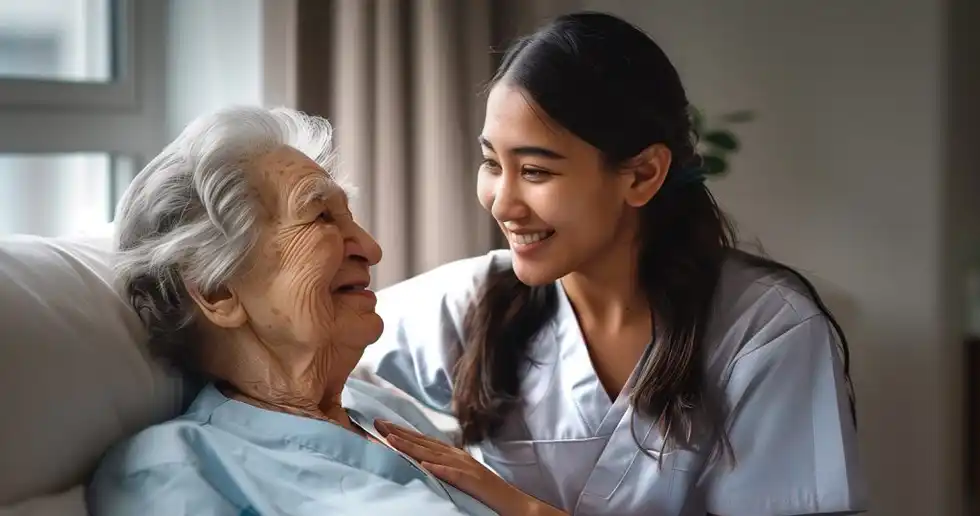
[(387, 428), (451, 465), (417, 451), (421, 447), (458, 477)]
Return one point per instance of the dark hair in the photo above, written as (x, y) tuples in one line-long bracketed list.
[(609, 83)]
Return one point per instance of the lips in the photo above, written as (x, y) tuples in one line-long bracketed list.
[(353, 286)]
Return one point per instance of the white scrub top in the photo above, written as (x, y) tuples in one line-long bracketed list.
[(769, 349)]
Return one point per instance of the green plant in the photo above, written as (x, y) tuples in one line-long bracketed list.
[(717, 142)]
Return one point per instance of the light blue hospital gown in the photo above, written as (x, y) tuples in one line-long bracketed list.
[(225, 457)]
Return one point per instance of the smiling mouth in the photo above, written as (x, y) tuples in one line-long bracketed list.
[(356, 291), (347, 289), (354, 287), (526, 239)]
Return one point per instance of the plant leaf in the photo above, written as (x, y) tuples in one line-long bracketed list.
[(737, 117), (722, 139), (714, 165)]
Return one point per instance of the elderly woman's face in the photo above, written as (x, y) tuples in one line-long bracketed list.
[(307, 285)]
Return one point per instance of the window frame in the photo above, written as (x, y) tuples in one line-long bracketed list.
[(120, 92), (124, 118), (129, 117)]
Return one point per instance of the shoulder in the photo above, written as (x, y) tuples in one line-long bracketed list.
[(156, 470), (176, 441), (138, 475), (778, 361), (446, 291), (165, 445), (456, 279), (755, 306)]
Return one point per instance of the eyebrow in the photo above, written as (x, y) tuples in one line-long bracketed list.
[(526, 150), (315, 190)]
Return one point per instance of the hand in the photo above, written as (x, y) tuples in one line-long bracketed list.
[(457, 467)]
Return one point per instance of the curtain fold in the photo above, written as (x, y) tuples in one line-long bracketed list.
[(401, 80)]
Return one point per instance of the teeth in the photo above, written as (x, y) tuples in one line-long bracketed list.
[(528, 239)]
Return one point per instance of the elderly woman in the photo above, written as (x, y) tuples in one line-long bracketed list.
[(238, 249)]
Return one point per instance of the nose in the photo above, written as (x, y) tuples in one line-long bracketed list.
[(507, 203), (361, 245)]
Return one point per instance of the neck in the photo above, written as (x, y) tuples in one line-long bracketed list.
[(605, 293), (302, 384), (331, 411)]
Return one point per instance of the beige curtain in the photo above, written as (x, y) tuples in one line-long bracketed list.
[(401, 80)]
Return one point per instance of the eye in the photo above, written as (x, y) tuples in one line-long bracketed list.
[(535, 175), (326, 217), (489, 164)]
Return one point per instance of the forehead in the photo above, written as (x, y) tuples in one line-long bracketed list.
[(512, 115), (286, 176)]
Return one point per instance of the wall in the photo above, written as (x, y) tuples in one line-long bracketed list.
[(962, 108), (226, 52), (846, 176), (214, 58)]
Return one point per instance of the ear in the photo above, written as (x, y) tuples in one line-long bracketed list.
[(223, 308), (646, 172)]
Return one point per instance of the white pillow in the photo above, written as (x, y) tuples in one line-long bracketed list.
[(74, 375)]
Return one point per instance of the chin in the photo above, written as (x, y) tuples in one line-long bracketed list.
[(365, 332), (535, 274), (375, 327)]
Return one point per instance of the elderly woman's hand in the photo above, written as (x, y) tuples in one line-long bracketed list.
[(459, 468)]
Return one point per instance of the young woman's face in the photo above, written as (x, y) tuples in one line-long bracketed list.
[(555, 199)]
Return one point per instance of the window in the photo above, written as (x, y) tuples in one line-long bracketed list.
[(68, 40), (80, 108), (90, 90), (68, 53), (59, 194)]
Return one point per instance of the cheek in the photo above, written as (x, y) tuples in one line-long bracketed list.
[(485, 190), (309, 266), (556, 206), (320, 262), (587, 218)]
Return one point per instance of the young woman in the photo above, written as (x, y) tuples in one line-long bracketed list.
[(622, 357)]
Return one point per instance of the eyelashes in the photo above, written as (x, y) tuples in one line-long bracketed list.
[(528, 173), (488, 163)]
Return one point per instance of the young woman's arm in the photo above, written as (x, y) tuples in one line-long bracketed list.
[(791, 429)]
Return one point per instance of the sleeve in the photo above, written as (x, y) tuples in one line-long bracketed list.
[(791, 431), (173, 489), (423, 330)]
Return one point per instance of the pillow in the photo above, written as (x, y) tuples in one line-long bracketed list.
[(74, 375), (68, 503)]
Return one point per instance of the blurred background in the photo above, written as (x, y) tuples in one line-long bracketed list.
[(858, 164)]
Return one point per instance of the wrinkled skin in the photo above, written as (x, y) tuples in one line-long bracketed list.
[(284, 334)]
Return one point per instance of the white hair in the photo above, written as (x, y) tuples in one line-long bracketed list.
[(190, 214)]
